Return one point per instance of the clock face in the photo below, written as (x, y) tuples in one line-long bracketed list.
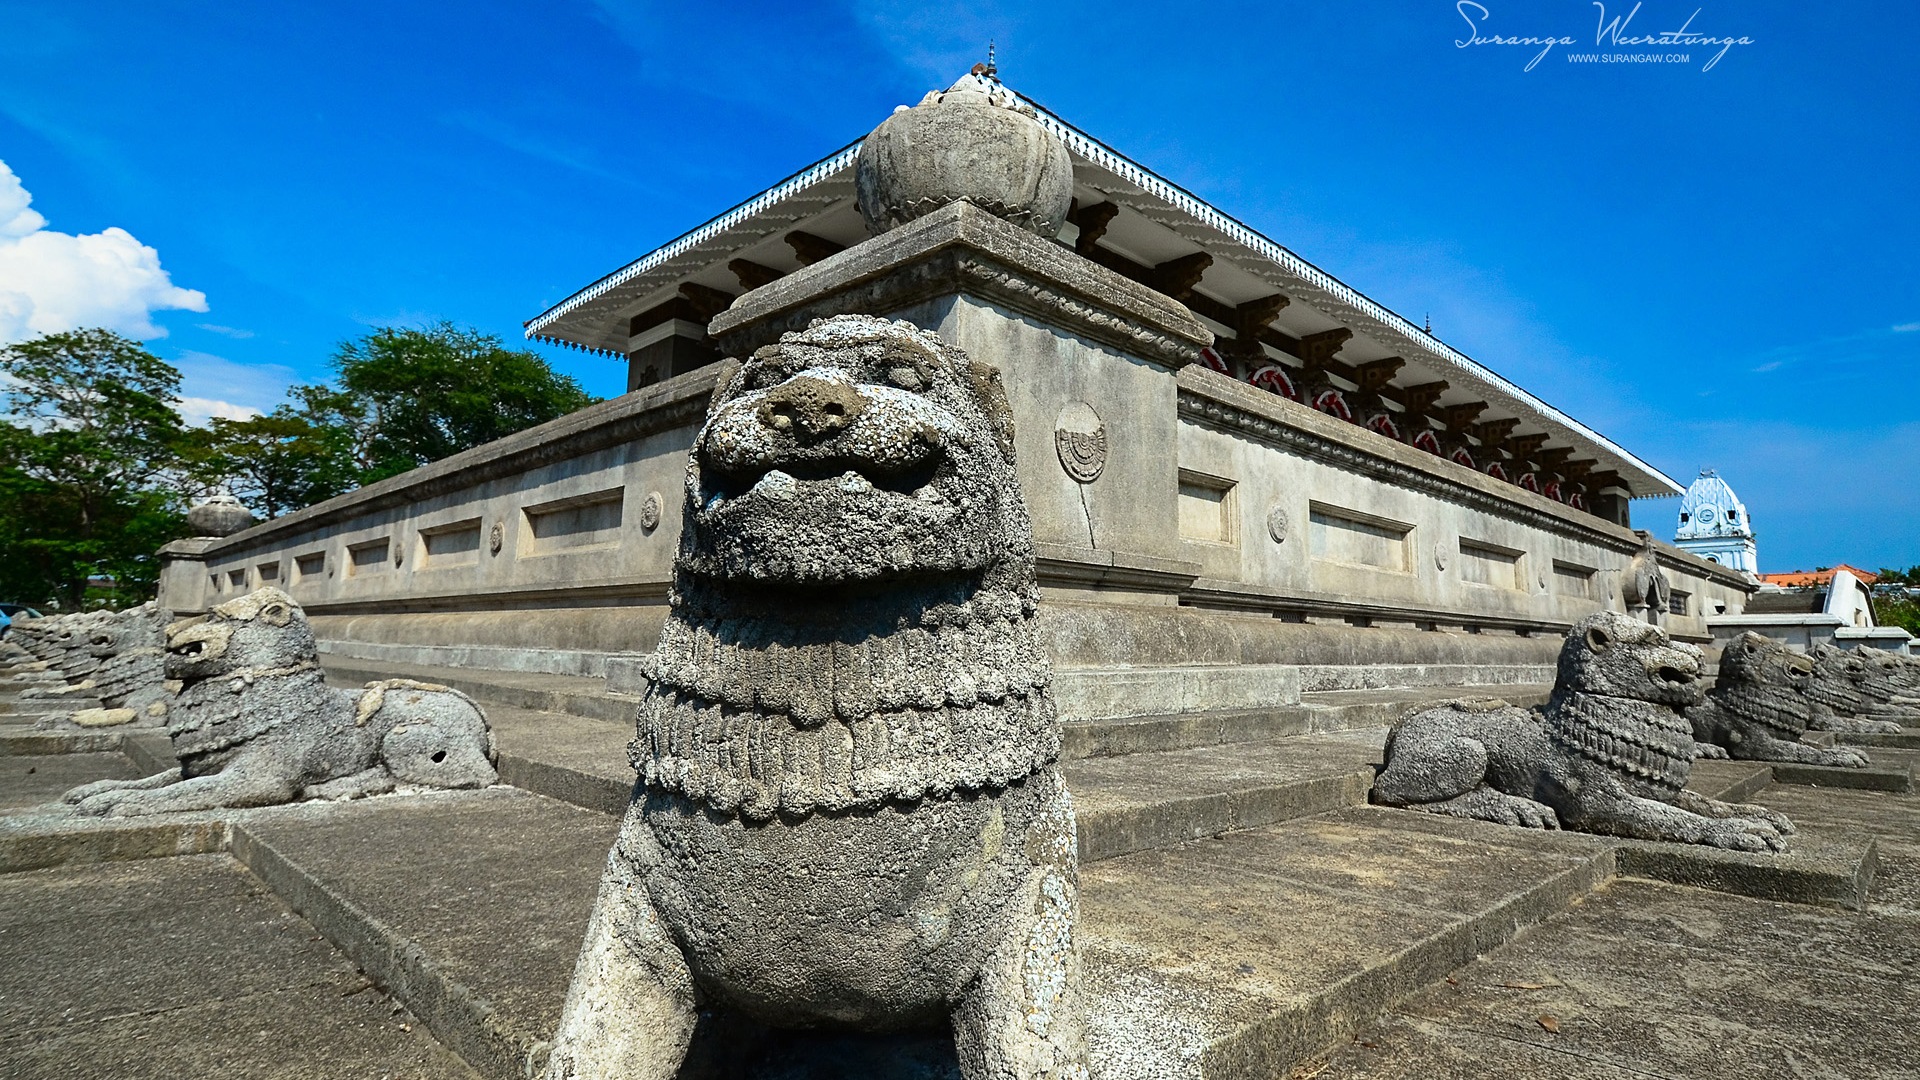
[(1706, 515)]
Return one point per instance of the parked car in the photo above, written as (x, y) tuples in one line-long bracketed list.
[(10, 612)]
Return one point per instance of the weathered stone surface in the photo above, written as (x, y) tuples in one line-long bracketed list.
[(255, 724), (1606, 754), (228, 984), (1713, 988), (850, 812), (1758, 708), (31, 780), (972, 142), (1644, 587), (219, 515), (1854, 690)]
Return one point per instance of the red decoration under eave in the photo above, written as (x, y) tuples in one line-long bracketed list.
[(1427, 441), (1215, 361), (1462, 457), (1497, 471), (1274, 379), (1384, 424), (1527, 481), (1553, 491), (1333, 403)]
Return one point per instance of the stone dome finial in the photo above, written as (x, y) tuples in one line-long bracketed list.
[(976, 141), (219, 514)]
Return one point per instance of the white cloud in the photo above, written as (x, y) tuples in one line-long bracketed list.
[(196, 411), (54, 281), (213, 386), (1907, 328), (224, 331)]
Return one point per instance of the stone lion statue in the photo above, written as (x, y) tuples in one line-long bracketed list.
[(127, 651), (254, 723), (1606, 754), (1758, 707), (1849, 693), (849, 812)]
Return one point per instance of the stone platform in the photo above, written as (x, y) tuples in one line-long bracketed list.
[(1245, 912)]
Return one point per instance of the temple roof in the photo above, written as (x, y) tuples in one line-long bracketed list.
[(1157, 224)]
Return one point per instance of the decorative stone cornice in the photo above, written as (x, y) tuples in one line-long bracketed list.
[(1212, 399), (961, 249)]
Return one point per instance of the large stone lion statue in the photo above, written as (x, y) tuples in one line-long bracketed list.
[(849, 812), (1758, 707), (255, 724), (1608, 753)]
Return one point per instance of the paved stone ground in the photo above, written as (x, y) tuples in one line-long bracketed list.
[(1647, 980), (39, 778), (1239, 901), (187, 967)]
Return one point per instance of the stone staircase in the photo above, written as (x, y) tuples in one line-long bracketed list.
[(1244, 909)]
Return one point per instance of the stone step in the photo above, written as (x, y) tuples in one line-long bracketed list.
[(1880, 775), (1124, 803), (1326, 711), (1905, 739), (1231, 957), (578, 695), (169, 968), (469, 910), (1142, 801)]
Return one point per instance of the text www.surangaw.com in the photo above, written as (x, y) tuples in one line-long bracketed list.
[(1614, 33), (1629, 58)]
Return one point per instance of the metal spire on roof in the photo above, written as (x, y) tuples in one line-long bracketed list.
[(988, 69)]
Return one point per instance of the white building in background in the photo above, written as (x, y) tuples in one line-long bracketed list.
[(1714, 525)]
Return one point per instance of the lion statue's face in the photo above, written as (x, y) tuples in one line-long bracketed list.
[(1755, 659), (131, 629), (264, 629), (857, 450), (1610, 654)]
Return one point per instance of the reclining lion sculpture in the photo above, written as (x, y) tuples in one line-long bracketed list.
[(1758, 707), (1853, 691), (125, 651), (1607, 753), (849, 812), (255, 724)]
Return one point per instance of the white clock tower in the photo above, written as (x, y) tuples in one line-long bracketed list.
[(1714, 525)]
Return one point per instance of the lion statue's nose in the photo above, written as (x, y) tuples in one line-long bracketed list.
[(810, 409)]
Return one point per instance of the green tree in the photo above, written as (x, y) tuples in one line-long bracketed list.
[(89, 430), (1892, 605), (408, 397), (274, 463)]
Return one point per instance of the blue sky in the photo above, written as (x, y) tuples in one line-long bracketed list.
[(1714, 267)]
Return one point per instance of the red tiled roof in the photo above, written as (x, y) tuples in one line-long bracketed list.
[(1799, 578)]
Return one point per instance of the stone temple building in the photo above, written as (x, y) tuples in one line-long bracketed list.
[(1714, 525), (1246, 477)]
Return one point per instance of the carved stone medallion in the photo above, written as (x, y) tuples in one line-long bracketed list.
[(650, 511), (496, 537), (1440, 555), (1277, 524), (1080, 437)]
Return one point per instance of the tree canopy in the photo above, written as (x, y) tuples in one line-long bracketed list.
[(96, 467), (414, 396), (89, 433)]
